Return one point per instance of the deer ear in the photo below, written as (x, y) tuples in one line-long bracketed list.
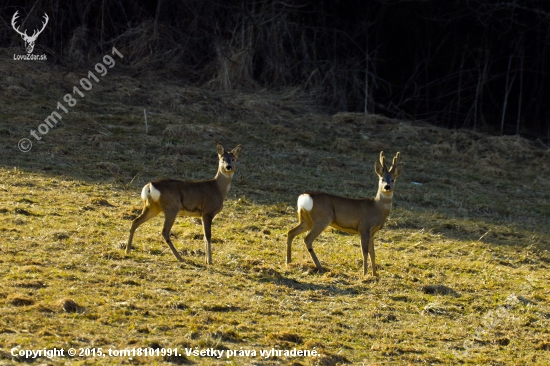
[(236, 151), (398, 170), (220, 149), (378, 168)]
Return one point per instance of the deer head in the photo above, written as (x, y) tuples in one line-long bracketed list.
[(388, 176), (227, 159), (29, 40)]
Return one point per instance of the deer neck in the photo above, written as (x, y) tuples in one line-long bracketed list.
[(223, 182), (383, 202)]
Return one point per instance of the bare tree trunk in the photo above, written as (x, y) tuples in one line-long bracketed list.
[(520, 90), (506, 92), (477, 99), (460, 86), (480, 81), (366, 111)]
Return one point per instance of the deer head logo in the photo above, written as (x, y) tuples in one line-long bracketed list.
[(29, 40)]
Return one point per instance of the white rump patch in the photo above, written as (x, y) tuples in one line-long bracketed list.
[(145, 192), (150, 191), (305, 202)]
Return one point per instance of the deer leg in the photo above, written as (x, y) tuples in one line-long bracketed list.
[(372, 256), (147, 214), (169, 218), (365, 239), (207, 229), (316, 230), (303, 226)]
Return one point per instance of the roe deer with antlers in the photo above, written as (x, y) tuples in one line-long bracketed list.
[(202, 199), (364, 216)]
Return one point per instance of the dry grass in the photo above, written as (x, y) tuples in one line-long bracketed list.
[(463, 260)]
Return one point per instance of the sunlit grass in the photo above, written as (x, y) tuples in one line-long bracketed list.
[(66, 209)]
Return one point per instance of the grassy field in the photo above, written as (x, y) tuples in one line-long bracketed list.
[(463, 260)]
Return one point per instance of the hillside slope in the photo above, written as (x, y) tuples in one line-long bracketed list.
[(463, 260)]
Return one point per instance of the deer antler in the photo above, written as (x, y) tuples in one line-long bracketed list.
[(15, 16), (24, 34), (37, 32), (383, 161), (394, 163)]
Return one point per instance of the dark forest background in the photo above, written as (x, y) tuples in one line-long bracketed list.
[(476, 64)]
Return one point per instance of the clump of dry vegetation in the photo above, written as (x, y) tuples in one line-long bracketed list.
[(463, 261)]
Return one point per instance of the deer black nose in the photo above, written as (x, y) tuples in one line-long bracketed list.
[(228, 167), (387, 187)]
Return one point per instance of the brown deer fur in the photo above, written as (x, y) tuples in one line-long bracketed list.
[(364, 216), (202, 199)]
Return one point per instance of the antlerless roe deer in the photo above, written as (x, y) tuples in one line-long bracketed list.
[(364, 216), (203, 199)]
